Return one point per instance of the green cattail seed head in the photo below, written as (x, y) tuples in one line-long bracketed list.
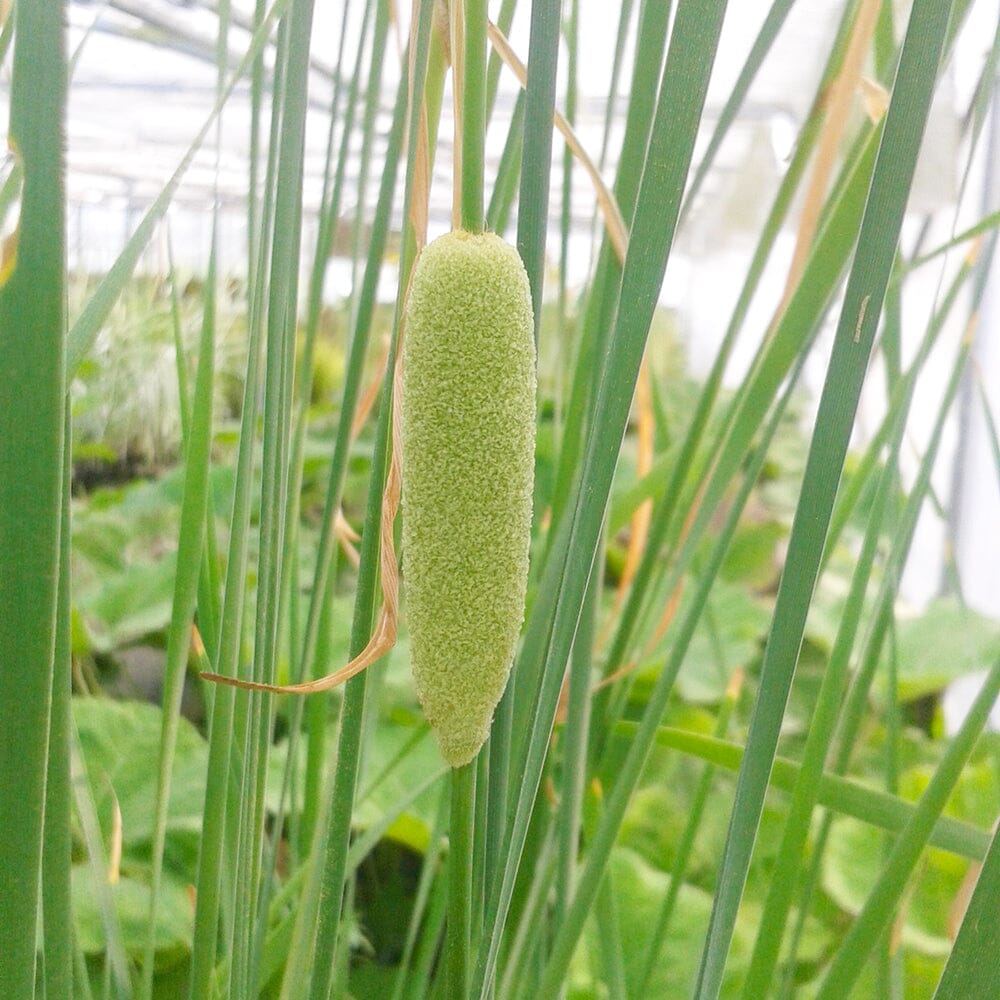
[(468, 442)]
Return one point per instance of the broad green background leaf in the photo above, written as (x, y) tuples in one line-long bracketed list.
[(945, 642), (855, 850), (120, 741), (639, 889), (174, 923)]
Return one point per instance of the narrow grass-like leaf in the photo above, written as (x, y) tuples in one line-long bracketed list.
[(973, 968), (32, 433), (520, 974), (614, 83), (991, 428), (423, 963), (208, 581), (791, 336), (855, 334), (572, 36), (630, 769), (360, 336), (692, 50), (852, 713), (333, 186), (221, 731), (575, 740), (681, 463), (888, 889), (508, 171), (419, 915), (117, 979), (189, 553), (309, 643), (337, 830), (830, 697), (282, 302), (610, 939), (57, 914), (473, 117), (88, 324), (539, 104), (598, 314), (330, 849), (769, 31), (494, 64), (841, 795), (687, 842), (985, 225), (460, 837)]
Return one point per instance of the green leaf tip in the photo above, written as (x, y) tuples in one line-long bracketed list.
[(468, 442)]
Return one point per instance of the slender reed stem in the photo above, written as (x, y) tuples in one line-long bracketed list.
[(473, 98), (32, 325), (463, 822)]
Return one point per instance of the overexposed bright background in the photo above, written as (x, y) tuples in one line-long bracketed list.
[(137, 102)]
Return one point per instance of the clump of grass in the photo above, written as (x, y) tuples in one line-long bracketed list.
[(552, 831)]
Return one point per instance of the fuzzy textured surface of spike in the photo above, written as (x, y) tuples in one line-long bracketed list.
[(468, 443)]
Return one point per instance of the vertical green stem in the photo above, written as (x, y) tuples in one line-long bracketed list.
[(32, 401), (428, 946), (189, 552), (257, 82), (524, 945), (56, 868), (687, 842), (315, 943), (609, 938), (972, 968), (212, 843), (330, 851), (506, 179), (246, 839), (473, 98), (503, 21), (575, 735), (463, 813), (879, 233), (419, 918), (540, 99), (564, 330), (831, 696), (891, 958), (481, 819)]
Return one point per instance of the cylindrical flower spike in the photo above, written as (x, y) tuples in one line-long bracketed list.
[(468, 439)]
